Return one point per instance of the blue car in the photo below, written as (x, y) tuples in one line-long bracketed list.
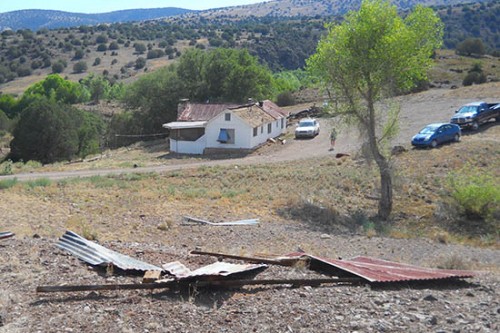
[(435, 134)]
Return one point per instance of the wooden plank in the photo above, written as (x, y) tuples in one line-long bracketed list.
[(217, 283), (151, 276)]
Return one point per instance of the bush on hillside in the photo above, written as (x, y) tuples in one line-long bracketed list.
[(475, 196)]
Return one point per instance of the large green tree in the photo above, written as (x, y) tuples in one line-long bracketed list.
[(223, 75), (57, 89), (48, 132), (220, 75), (45, 132), (371, 55)]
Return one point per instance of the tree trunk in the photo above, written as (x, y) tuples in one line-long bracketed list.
[(385, 202)]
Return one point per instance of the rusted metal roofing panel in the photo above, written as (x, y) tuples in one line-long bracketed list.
[(201, 112), (98, 255), (273, 110), (378, 270), (6, 234), (217, 269)]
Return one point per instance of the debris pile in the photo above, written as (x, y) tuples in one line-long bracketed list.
[(223, 274)]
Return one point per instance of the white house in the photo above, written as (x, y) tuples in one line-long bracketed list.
[(201, 128)]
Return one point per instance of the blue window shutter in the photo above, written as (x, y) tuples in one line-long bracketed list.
[(223, 135)]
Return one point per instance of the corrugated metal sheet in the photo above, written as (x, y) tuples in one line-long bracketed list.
[(216, 269), (201, 112), (6, 234), (193, 220), (98, 255), (378, 270)]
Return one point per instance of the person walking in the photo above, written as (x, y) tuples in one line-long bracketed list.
[(333, 138)]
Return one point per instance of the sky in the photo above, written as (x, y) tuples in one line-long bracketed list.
[(103, 6)]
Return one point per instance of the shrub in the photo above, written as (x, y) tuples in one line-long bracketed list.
[(474, 78), (58, 67), (476, 194), (80, 67), (286, 99), (140, 63), (102, 48)]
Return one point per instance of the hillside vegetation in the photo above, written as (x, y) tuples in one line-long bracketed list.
[(123, 51)]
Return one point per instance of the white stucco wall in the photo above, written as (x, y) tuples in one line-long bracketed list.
[(242, 132), (243, 139)]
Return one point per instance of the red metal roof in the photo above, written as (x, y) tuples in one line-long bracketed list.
[(378, 270), (273, 110)]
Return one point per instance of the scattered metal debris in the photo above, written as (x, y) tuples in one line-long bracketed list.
[(217, 269), (98, 255), (7, 234), (220, 274), (191, 220), (370, 269), (378, 270)]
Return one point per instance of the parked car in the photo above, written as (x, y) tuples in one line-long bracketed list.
[(476, 113), (307, 128), (435, 134)]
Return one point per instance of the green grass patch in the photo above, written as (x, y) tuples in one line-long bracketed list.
[(8, 183), (41, 182)]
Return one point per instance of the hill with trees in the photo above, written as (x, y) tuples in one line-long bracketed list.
[(123, 51), (36, 19)]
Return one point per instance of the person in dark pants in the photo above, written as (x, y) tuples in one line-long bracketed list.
[(333, 138)]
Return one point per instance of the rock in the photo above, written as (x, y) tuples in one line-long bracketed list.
[(430, 298)]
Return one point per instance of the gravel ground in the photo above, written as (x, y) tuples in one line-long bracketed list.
[(463, 306)]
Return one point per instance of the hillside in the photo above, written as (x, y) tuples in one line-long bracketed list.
[(35, 20), (280, 42), (52, 19)]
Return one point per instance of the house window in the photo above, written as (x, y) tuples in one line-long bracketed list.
[(255, 131), (282, 122), (227, 117), (262, 129), (277, 123), (226, 135), (269, 127)]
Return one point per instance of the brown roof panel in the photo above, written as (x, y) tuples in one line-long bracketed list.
[(273, 110), (378, 270), (253, 115), (201, 112)]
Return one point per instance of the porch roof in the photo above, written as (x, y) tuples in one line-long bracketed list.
[(185, 124)]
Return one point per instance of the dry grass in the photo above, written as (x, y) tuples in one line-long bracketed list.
[(327, 196), (450, 68)]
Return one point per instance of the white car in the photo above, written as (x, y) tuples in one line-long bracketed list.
[(307, 128)]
